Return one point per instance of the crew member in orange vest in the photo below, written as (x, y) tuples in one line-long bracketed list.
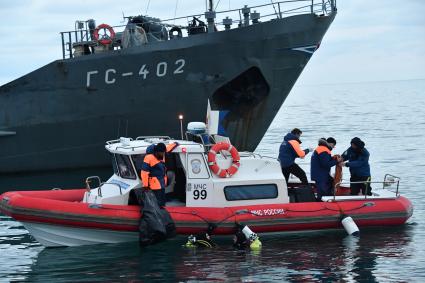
[(321, 163), (288, 151), (153, 173)]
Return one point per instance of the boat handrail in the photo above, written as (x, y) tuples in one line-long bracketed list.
[(99, 190), (255, 155), (279, 10), (116, 141), (140, 138), (385, 183), (141, 146), (88, 181)]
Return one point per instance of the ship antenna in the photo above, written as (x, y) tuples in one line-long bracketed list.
[(175, 11), (147, 7), (211, 5), (218, 2)]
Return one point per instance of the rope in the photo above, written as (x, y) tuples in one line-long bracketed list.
[(274, 8), (147, 8), (218, 2)]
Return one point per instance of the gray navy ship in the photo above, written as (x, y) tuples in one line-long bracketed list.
[(138, 78)]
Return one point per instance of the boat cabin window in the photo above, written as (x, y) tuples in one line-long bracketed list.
[(138, 162), (114, 165), (125, 168), (250, 192)]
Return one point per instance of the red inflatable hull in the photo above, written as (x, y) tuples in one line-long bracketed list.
[(64, 208)]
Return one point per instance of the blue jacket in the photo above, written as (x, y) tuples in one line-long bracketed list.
[(321, 163), (357, 162), (289, 150)]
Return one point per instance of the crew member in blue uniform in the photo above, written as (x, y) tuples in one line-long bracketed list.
[(321, 163), (289, 150), (357, 159)]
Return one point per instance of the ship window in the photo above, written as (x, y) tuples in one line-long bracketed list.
[(124, 167), (250, 192)]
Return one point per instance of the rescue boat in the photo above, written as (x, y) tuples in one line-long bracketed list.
[(210, 183)]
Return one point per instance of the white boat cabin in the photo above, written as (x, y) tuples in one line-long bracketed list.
[(191, 183)]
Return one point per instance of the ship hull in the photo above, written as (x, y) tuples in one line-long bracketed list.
[(59, 116), (59, 218)]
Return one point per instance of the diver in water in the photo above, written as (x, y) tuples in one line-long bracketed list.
[(245, 238), (200, 240)]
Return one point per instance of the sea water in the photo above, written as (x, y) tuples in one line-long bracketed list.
[(388, 116)]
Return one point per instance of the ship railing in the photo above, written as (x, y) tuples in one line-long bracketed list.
[(388, 181), (82, 35), (275, 9)]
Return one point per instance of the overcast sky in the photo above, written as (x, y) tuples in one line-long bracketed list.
[(368, 41)]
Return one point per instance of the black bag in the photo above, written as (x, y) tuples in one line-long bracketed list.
[(304, 194), (156, 224)]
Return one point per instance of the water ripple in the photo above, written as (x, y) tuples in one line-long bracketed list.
[(387, 116)]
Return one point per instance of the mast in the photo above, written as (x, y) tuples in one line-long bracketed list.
[(211, 5), (210, 16)]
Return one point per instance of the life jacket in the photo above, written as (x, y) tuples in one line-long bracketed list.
[(153, 172), (289, 150), (321, 163)]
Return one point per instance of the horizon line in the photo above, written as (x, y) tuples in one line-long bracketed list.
[(358, 82)]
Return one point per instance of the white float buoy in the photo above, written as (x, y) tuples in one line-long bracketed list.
[(350, 226), (248, 233), (254, 240)]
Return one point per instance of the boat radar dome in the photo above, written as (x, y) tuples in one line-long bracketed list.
[(196, 128)]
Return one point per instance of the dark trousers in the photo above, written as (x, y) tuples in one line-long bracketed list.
[(160, 196), (295, 170), (324, 188), (364, 187)]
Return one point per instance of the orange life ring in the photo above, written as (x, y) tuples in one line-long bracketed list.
[(105, 38), (212, 154)]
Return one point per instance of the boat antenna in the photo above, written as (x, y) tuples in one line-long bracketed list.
[(218, 2), (147, 7), (175, 11), (211, 5)]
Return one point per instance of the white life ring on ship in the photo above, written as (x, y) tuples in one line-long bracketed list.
[(212, 155), (105, 39)]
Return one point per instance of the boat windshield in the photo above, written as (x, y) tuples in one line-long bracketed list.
[(138, 161), (125, 167)]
